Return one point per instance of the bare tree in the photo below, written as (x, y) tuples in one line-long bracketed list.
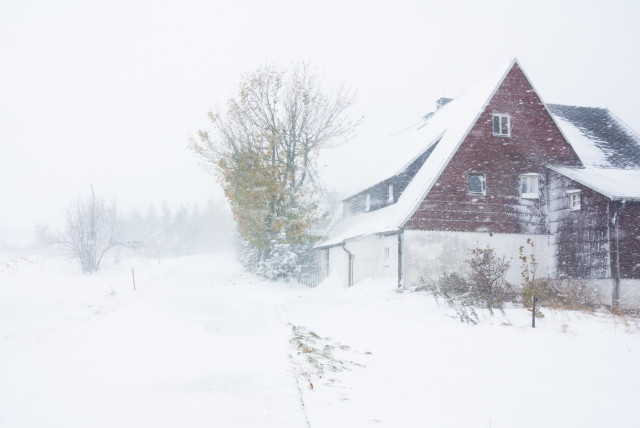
[(265, 146), (93, 228)]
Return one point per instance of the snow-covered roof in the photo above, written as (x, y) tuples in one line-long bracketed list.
[(599, 138), (392, 157), (616, 184), (607, 147), (448, 126)]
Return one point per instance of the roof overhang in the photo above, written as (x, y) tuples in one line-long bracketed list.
[(615, 184)]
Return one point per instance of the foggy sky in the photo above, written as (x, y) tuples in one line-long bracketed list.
[(108, 93)]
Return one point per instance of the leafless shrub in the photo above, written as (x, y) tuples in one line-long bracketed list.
[(483, 287), (487, 278), (568, 294), (93, 228), (627, 312), (455, 290)]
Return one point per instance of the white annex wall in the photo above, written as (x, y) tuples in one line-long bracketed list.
[(338, 264), (430, 253), (629, 297), (371, 260), (629, 293), (369, 257)]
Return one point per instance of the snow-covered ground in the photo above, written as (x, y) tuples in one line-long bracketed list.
[(200, 343)]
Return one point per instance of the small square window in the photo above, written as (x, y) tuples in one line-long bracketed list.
[(477, 183), (390, 193), (501, 125), (574, 199), (367, 202), (529, 186)]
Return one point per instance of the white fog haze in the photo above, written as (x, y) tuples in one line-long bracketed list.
[(465, 253), (109, 93)]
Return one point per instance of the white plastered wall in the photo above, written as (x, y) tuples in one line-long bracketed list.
[(629, 291), (370, 260), (430, 253), (338, 264)]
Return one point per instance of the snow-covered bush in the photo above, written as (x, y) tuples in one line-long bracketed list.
[(285, 260), (282, 261), (249, 256)]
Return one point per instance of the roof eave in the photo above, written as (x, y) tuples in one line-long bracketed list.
[(338, 243), (607, 195)]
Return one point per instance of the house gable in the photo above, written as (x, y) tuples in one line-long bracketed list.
[(449, 126), (533, 140)]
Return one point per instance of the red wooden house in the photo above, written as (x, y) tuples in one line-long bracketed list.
[(495, 167)]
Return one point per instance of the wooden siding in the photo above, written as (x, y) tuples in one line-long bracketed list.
[(535, 141), (402, 180), (356, 203), (629, 240), (581, 237), (379, 195)]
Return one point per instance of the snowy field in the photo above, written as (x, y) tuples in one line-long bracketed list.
[(200, 343)]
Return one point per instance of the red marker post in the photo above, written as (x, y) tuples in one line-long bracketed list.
[(133, 276)]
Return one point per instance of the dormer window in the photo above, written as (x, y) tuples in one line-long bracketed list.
[(390, 193), (367, 202), (477, 183), (529, 186), (574, 199), (501, 125)]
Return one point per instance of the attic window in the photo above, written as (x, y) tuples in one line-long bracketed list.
[(574, 199), (529, 186), (390, 193), (477, 183), (367, 203), (501, 125)]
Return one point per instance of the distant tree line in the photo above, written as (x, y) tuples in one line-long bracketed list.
[(95, 228), (187, 230)]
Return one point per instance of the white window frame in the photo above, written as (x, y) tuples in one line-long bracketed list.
[(575, 199), (502, 117), (390, 193), (533, 191), (483, 183), (367, 203)]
